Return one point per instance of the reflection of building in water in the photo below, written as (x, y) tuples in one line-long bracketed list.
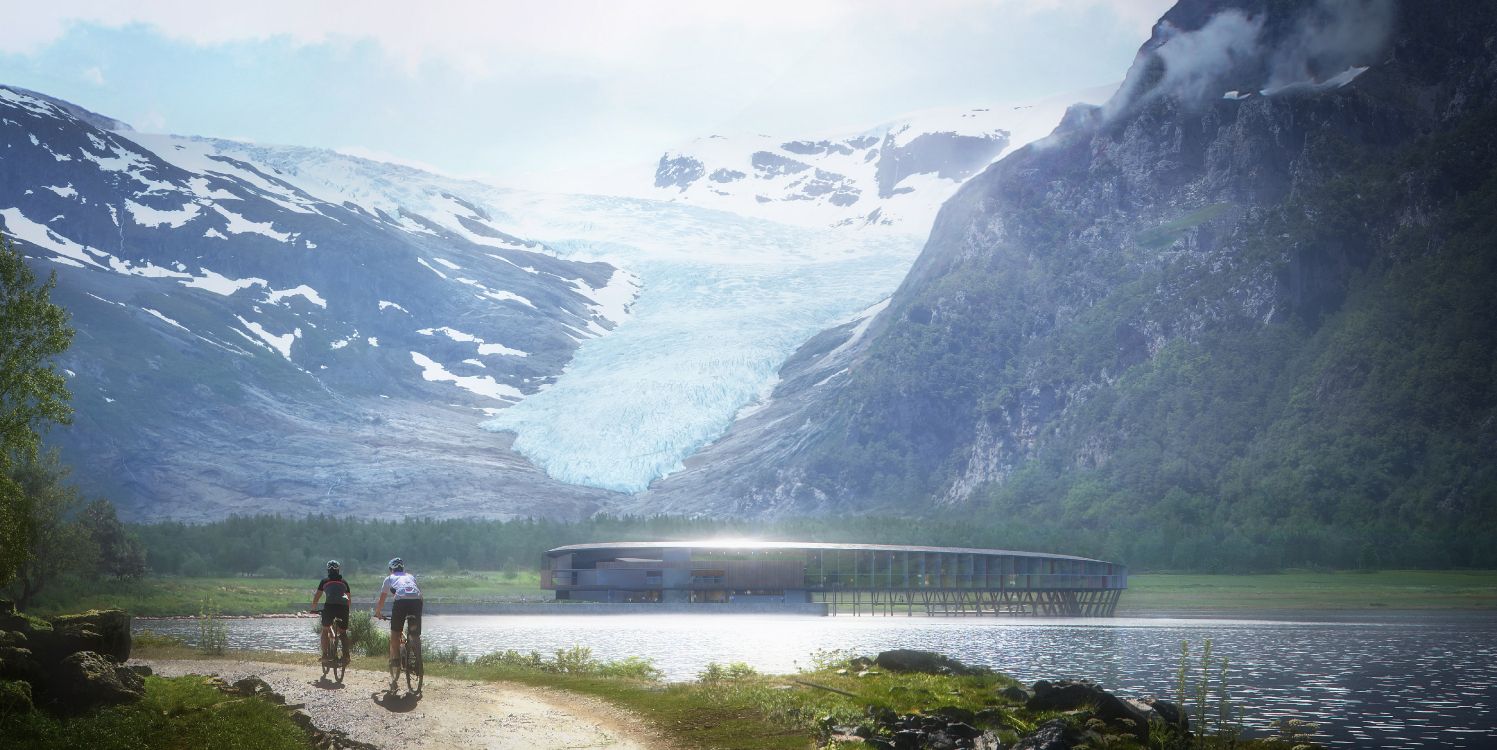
[(840, 578)]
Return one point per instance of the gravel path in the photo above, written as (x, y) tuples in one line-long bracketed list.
[(450, 714)]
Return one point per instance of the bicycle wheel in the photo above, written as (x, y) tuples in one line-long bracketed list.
[(413, 668), (327, 658), (340, 657)]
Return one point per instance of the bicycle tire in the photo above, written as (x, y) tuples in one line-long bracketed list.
[(414, 671), (340, 654)]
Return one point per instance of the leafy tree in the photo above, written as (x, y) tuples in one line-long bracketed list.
[(33, 395), (56, 540), (120, 553)]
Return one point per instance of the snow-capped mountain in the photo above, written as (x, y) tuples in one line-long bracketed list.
[(894, 175), (247, 344)]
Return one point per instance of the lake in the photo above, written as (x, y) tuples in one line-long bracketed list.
[(1392, 681)]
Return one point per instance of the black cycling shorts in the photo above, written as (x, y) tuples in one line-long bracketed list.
[(402, 609), (329, 613)]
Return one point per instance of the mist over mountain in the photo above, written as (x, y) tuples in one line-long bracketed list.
[(1240, 312)]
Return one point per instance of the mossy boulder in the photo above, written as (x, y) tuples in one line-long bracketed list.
[(15, 698), (103, 631), (86, 679)]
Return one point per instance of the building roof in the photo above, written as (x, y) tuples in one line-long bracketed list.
[(753, 544)]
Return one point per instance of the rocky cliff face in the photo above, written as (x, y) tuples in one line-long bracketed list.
[(1151, 311), (249, 341)]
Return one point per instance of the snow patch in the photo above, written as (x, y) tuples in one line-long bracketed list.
[(220, 284), (155, 217), (386, 304), (483, 348), (240, 225), (282, 344), (303, 290), (482, 385)]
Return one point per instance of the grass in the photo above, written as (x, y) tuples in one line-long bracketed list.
[(181, 713), (747, 711), (179, 596), (1372, 591)]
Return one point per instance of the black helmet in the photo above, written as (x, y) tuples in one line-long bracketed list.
[(396, 563), (333, 566)]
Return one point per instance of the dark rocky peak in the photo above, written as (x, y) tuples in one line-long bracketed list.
[(1203, 49)]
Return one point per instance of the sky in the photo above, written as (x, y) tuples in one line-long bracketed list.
[(551, 95)]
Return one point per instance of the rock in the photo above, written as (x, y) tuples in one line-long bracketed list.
[(954, 714), (19, 664), (987, 741), (103, 631), (302, 719), (251, 686), (143, 670), (1015, 694), (1064, 695), (14, 638), (85, 680), (909, 739), (924, 662), (1170, 713), (1056, 734), (15, 698)]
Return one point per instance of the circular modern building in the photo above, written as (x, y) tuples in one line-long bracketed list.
[(840, 578)]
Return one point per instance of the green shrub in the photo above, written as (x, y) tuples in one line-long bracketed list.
[(365, 636), (213, 635), (735, 671), (438, 655)]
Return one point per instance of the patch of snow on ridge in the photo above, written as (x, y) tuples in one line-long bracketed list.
[(482, 385), (240, 225), (155, 217), (22, 228), (62, 192), (282, 344), (158, 314), (303, 290), (483, 348), (220, 284), (386, 304)]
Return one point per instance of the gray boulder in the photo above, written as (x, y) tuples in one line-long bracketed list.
[(1064, 695), (924, 662), (103, 631), (15, 697), (1056, 734), (85, 680)]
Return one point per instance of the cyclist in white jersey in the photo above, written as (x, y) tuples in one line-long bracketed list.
[(407, 605)]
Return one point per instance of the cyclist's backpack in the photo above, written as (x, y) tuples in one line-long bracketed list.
[(337, 592)]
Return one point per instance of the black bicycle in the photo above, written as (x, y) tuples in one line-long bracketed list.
[(409, 662), (335, 653)]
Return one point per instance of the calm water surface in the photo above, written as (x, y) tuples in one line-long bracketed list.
[(1395, 683)]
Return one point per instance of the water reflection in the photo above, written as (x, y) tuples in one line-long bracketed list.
[(1396, 684)]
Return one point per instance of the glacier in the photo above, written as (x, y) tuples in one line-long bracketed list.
[(724, 301)]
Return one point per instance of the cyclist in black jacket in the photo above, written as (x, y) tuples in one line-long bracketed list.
[(335, 610)]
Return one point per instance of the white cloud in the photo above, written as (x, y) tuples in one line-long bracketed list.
[(473, 37), (94, 75)]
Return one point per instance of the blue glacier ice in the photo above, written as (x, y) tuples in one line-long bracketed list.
[(724, 300)]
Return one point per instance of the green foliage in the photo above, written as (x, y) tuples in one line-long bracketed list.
[(56, 541), (181, 712), (577, 660), (366, 635), (33, 394), (120, 556), (213, 634), (737, 670)]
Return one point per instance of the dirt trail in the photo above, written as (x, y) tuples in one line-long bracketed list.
[(450, 714)]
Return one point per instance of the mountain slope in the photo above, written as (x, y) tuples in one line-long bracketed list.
[(1236, 315), (245, 345), (895, 175)]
